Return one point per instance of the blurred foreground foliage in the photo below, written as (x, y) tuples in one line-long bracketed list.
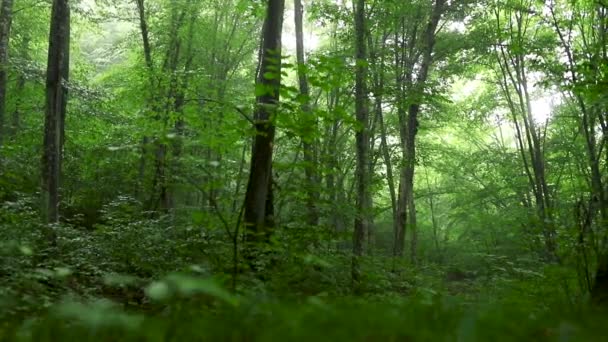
[(125, 281)]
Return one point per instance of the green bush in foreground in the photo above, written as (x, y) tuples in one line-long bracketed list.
[(188, 308)]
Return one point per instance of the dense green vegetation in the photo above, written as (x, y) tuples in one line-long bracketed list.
[(375, 170)]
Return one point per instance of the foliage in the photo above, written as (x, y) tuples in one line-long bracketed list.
[(151, 243)]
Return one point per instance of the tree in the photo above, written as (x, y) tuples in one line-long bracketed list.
[(55, 109), (513, 62), (6, 14), (363, 197), (414, 67), (308, 141), (581, 29), (258, 205)]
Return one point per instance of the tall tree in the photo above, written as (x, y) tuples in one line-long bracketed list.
[(6, 15), (362, 140), (415, 66), (145, 36), (258, 206), (56, 101), (582, 30), (308, 140), (20, 85), (513, 64)]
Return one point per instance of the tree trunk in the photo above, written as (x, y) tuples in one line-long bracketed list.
[(143, 26), (362, 141), (379, 77), (427, 59), (145, 141), (6, 15), (162, 193), (390, 178), (513, 74), (308, 140), (56, 101), (406, 212), (399, 227), (433, 217), (588, 115), (258, 197), (20, 86), (599, 291)]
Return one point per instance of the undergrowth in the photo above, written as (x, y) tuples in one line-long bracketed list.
[(159, 280)]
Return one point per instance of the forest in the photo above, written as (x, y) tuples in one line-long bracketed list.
[(278, 170)]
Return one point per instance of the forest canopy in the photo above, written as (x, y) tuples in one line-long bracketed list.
[(303, 169)]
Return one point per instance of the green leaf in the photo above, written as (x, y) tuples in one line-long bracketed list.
[(158, 290), (270, 75), (261, 90), (25, 250), (187, 286)]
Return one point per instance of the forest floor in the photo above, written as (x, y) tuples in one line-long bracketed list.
[(135, 281)]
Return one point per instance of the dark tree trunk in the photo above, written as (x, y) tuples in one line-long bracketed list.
[(56, 101), (258, 206), (6, 15), (143, 25), (403, 78), (599, 291), (362, 141), (412, 124)]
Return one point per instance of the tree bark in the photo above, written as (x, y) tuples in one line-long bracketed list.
[(308, 140), (258, 197), (143, 25), (6, 15), (56, 101), (379, 80), (399, 223), (362, 140), (20, 86), (406, 212)]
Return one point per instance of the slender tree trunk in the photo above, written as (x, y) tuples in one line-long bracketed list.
[(379, 77), (143, 26), (427, 60), (399, 229), (399, 223), (56, 100), (178, 107), (410, 162), (390, 178), (406, 212), (513, 69), (258, 197), (20, 86), (599, 291), (414, 229), (362, 141), (145, 141), (308, 140), (161, 189), (433, 217), (403, 76), (6, 15)]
